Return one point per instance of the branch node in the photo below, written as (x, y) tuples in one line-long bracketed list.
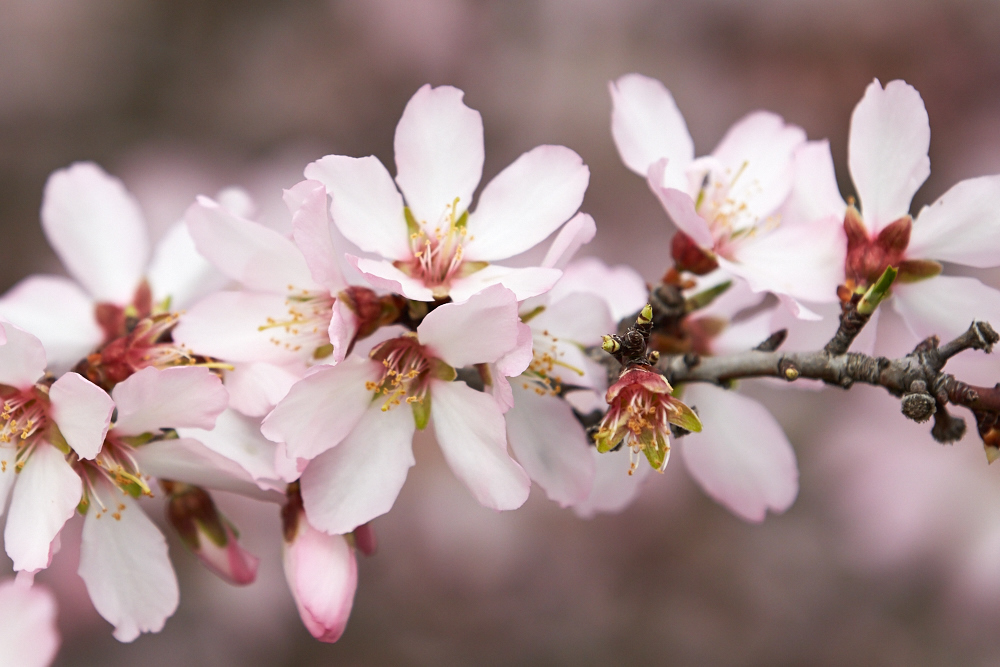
[(918, 406), (691, 359), (788, 370), (947, 428)]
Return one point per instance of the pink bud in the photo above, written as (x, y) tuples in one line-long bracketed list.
[(365, 540), (323, 575)]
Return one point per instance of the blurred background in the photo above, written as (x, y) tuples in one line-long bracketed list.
[(891, 554)]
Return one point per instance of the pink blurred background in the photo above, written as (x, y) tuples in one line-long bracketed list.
[(891, 555)]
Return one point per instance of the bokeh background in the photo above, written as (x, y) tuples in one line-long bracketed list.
[(890, 556)]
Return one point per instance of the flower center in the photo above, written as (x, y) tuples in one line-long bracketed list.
[(544, 373), (722, 202), (438, 252), (24, 417), (307, 324), (406, 373)]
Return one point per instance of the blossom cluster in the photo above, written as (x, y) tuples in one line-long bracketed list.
[(295, 369)]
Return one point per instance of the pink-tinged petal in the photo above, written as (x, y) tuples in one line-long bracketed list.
[(237, 201), (803, 261), (680, 207), (230, 561), (82, 410), (386, 276), (57, 311), (887, 151), (180, 397), (189, 461), (744, 335), (227, 325), (470, 429), (550, 443), (962, 226), (814, 192), (45, 496), (945, 306), (97, 229), (125, 566), (255, 388), (614, 488), (322, 574), (239, 439), (481, 330), (526, 202), (343, 328), (288, 467), (179, 271), (439, 152), (579, 231), (322, 408), (580, 318), (22, 358), (28, 633), (500, 390), (758, 154), (246, 251), (620, 287), (516, 361), (311, 232), (741, 457), (524, 282), (647, 126), (360, 478), (365, 204)]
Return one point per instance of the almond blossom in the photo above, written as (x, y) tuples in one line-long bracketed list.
[(28, 633), (359, 453), (431, 244), (888, 161), (727, 205)]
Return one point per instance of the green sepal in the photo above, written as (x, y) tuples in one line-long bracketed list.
[(531, 314), (704, 298), (608, 439), (915, 270), (57, 440), (877, 292), (683, 416), (323, 351), (657, 450), (412, 226), (422, 412), (441, 371), (138, 440)]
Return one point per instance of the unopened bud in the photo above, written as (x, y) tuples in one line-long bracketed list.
[(365, 540), (645, 315), (610, 344)]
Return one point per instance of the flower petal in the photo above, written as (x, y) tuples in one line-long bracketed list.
[(481, 330), (388, 277), (256, 256), (311, 232), (365, 204), (322, 574), (526, 202), (741, 457), (180, 272), (470, 430), (887, 151), (814, 192), (962, 226), (239, 439), (581, 318), (28, 633), (647, 126), (439, 152), (945, 306), (124, 563), (524, 282), (614, 488), (97, 229), (57, 311), (22, 358), (550, 443), (360, 478), (579, 231), (45, 497), (620, 287), (255, 388), (178, 397), (680, 207), (82, 410), (304, 420)]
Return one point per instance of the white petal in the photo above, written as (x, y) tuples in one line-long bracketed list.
[(614, 488), (124, 563), (741, 457), (744, 335), (524, 282), (179, 271), (962, 226), (311, 231), (470, 430), (238, 438), (620, 287), (580, 230), (580, 318), (8, 473), (82, 410), (22, 358), (360, 478), (189, 461), (945, 306), (97, 229), (366, 207), (647, 126), (178, 397), (256, 256), (439, 152), (887, 151), (481, 330), (45, 496), (551, 445), (57, 311), (814, 192), (526, 202), (680, 207), (28, 633), (386, 276), (255, 388), (322, 408)]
